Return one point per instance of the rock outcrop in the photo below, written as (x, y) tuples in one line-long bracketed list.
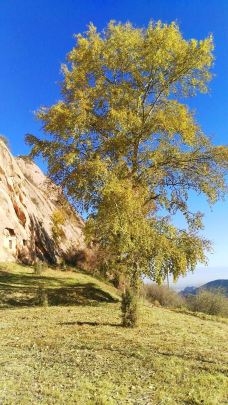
[(28, 200)]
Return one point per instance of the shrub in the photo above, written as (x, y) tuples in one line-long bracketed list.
[(210, 302), (38, 268), (63, 265), (26, 158), (162, 295)]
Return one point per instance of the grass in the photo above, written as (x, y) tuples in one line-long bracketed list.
[(81, 355), (20, 286)]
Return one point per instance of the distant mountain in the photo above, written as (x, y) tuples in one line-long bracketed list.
[(188, 290), (211, 285), (223, 284)]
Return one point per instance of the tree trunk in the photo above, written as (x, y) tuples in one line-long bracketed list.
[(129, 305)]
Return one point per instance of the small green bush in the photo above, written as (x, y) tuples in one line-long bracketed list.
[(38, 268), (162, 295), (210, 302), (63, 265)]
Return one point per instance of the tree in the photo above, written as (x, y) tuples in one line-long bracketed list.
[(58, 220), (128, 150)]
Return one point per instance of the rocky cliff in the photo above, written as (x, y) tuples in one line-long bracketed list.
[(28, 200)]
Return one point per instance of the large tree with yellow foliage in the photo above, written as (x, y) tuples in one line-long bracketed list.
[(128, 150)]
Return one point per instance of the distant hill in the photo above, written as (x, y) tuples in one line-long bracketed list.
[(211, 285), (188, 290), (223, 284)]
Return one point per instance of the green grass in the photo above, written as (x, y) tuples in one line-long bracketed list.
[(81, 355), (19, 286)]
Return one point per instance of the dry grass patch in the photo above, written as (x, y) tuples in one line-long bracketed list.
[(81, 355)]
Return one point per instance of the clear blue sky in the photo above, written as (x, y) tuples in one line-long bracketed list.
[(35, 37)]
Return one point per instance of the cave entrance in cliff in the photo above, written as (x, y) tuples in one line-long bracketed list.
[(10, 239)]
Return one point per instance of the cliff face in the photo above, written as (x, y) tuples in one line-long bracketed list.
[(28, 200)]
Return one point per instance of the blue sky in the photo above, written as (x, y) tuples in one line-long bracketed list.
[(35, 37)]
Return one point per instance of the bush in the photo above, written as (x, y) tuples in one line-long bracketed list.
[(210, 302), (38, 268), (162, 295)]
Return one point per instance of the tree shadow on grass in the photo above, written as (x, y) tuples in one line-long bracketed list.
[(18, 290), (200, 315), (82, 323), (189, 357), (80, 294), (30, 280)]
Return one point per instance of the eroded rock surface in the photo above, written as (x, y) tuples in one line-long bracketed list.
[(28, 200)]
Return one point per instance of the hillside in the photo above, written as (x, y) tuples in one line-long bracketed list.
[(21, 287), (81, 355), (222, 284), (211, 285)]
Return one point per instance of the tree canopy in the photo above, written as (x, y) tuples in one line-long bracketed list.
[(128, 150)]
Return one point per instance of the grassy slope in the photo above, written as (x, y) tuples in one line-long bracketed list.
[(19, 286), (80, 354)]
